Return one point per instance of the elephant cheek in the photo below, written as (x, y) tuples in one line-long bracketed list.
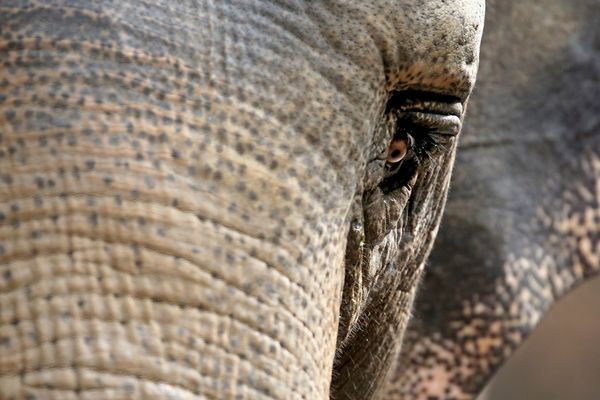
[(398, 229), (372, 245)]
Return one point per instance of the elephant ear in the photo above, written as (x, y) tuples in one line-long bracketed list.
[(522, 223)]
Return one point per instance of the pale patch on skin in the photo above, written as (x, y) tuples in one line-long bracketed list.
[(433, 381)]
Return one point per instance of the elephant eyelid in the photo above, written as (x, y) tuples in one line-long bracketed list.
[(432, 123), (438, 114), (418, 100)]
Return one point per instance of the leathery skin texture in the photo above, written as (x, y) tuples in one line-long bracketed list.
[(181, 185)]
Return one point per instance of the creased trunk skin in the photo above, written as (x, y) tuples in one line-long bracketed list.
[(165, 229)]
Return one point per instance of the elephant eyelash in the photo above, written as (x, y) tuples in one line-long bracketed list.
[(422, 152), (429, 145), (430, 121)]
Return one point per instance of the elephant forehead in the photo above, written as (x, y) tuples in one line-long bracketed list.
[(437, 46), (429, 45)]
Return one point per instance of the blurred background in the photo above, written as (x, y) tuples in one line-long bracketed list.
[(561, 360)]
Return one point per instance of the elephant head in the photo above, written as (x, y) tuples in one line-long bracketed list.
[(220, 199), (521, 225)]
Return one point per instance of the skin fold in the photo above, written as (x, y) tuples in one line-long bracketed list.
[(522, 222), (194, 196)]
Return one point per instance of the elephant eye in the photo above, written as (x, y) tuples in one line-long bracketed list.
[(423, 126), (399, 147)]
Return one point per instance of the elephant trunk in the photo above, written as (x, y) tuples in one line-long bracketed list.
[(171, 224)]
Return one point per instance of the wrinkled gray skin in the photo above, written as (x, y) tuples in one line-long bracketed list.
[(522, 222), (192, 193)]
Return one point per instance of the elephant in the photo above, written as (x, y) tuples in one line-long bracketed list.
[(221, 199), (522, 221)]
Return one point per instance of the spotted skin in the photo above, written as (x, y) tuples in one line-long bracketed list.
[(522, 223), (178, 183)]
